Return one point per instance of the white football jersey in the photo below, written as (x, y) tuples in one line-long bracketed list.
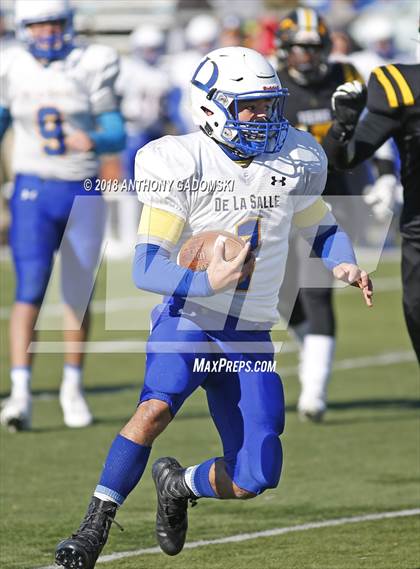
[(48, 103), (142, 88), (191, 176)]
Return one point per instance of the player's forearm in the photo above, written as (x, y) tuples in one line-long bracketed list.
[(330, 243), (334, 247), (5, 120), (155, 272), (337, 149), (110, 136)]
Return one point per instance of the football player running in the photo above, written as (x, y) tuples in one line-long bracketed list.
[(237, 101), (60, 101)]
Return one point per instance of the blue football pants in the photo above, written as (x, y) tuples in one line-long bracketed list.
[(247, 406), (48, 215)]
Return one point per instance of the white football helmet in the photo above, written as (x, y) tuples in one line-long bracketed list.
[(222, 79), (147, 36), (56, 46), (202, 30), (148, 43)]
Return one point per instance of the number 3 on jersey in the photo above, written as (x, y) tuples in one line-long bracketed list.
[(249, 230), (51, 128)]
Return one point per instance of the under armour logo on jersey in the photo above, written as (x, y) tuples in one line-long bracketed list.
[(27, 194), (275, 180)]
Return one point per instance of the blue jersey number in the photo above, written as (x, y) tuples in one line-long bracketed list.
[(249, 230), (51, 128)]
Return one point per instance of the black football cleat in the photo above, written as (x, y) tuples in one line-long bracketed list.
[(172, 504), (82, 549)]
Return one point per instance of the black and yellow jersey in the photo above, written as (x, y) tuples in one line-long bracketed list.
[(393, 112), (309, 108)]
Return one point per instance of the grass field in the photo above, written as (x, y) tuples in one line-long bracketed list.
[(364, 459)]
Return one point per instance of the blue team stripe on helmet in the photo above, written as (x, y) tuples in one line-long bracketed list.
[(214, 76)]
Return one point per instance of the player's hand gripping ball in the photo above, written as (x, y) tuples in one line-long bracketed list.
[(197, 252), (227, 258)]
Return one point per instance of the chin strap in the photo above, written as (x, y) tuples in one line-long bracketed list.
[(235, 155)]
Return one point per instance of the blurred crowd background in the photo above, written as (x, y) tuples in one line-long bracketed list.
[(162, 41)]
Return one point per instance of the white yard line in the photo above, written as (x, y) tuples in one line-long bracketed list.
[(111, 305), (364, 361), (139, 347), (385, 359), (97, 306), (258, 534)]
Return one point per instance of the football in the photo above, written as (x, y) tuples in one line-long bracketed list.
[(197, 252)]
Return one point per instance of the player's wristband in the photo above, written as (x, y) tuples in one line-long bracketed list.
[(155, 272)]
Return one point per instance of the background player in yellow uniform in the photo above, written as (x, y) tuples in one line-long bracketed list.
[(303, 47)]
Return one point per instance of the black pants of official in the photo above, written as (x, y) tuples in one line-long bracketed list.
[(410, 270)]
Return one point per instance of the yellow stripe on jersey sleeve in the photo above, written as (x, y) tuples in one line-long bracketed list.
[(308, 19), (388, 88), (162, 224), (406, 92), (311, 215)]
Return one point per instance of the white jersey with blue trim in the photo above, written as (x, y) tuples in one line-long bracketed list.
[(191, 177), (143, 89), (50, 102)]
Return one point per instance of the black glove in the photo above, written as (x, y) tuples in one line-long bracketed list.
[(348, 101)]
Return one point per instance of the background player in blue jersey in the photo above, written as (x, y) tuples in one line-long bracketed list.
[(237, 100), (60, 100)]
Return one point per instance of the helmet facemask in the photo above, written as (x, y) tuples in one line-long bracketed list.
[(250, 138), (51, 46)]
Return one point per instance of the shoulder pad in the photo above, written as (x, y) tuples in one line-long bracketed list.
[(165, 159), (388, 89), (303, 148), (96, 57)]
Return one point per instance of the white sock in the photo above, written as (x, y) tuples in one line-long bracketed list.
[(72, 378), (189, 477), (105, 498), (315, 369), (21, 381)]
